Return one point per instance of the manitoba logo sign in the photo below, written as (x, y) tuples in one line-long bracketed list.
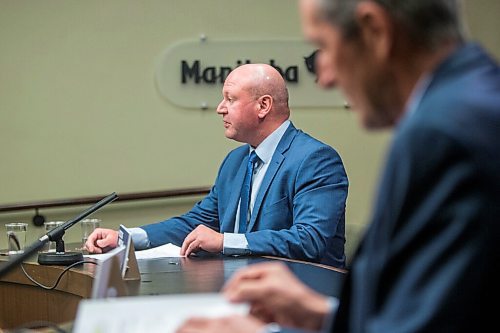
[(190, 74)]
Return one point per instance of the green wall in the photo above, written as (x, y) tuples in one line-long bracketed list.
[(80, 114)]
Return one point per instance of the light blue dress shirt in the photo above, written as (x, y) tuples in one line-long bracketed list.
[(235, 243)]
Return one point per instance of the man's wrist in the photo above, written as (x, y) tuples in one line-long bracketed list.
[(333, 304), (234, 244), (317, 308)]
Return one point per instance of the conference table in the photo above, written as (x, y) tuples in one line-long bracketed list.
[(22, 302)]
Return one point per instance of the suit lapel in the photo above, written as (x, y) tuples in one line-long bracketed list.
[(274, 165), (230, 216)]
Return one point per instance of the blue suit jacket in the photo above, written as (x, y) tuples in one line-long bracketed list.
[(298, 213), (430, 259)]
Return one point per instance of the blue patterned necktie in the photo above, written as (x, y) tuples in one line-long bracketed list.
[(246, 191)]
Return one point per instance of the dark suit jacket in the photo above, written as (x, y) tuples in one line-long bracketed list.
[(430, 259), (298, 213)]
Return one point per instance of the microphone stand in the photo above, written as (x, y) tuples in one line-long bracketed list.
[(60, 257)]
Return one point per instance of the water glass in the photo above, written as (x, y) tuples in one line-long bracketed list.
[(88, 226), (51, 246), (16, 236)]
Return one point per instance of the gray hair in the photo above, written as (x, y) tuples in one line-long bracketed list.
[(427, 22)]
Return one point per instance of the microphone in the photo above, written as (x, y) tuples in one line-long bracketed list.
[(60, 257)]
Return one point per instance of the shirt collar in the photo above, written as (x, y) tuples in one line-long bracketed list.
[(418, 93), (266, 149)]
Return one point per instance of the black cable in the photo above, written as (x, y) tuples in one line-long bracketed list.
[(60, 275)]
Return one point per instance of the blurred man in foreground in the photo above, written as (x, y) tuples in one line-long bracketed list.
[(429, 261)]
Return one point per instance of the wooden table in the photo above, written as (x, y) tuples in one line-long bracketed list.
[(22, 302)]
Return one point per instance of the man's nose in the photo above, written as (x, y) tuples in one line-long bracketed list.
[(221, 108), (327, 79), (326, 73)]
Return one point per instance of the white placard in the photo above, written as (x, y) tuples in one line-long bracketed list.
[(150, 313)]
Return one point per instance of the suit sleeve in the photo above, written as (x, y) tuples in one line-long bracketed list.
[(175, 229), (318, 196)]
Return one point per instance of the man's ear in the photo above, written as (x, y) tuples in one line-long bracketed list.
[(376, 29), (265, 105)]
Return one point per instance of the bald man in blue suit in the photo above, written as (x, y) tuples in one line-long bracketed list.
[(298, 190)]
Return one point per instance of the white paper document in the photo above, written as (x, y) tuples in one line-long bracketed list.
[(150, 313), (163, 251)]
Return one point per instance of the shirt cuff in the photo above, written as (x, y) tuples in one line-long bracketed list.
[(235, 244), (333, 304), (140, 238), (271, 328)]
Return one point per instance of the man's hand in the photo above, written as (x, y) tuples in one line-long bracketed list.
[(276, 295), (101, 240), (232, 324), (202, 238)]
